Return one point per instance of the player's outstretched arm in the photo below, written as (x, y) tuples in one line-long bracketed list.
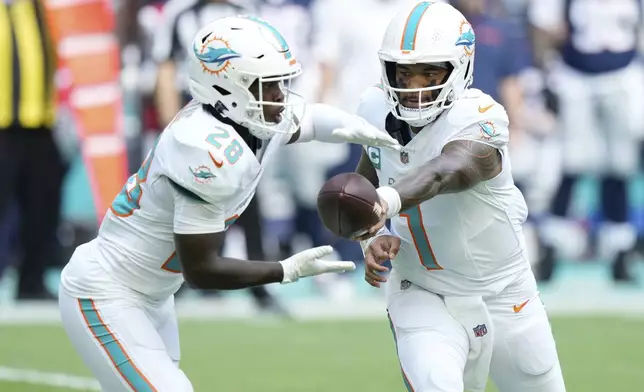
[(329, 124), (204, 268), (461, 165)]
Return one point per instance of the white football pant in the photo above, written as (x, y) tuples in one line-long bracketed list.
[(128, 345), (601, 119), (433, 347)]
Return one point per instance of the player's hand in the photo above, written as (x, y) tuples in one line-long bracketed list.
[(308, 263), (361, 132), (380, 250), (381, 222)]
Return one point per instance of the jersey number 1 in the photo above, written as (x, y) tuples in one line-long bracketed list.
[(419, 235)]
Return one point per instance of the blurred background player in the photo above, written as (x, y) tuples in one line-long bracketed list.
[(292, 181), (182, 20), (31, 165), (504, 69), (590, 49)]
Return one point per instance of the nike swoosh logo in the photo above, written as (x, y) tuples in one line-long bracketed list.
[(518, 308), (217, 163), (485, 109)]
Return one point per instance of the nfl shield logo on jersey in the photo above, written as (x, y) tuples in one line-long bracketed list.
[(480, 331), (405, 284), (404, 157)]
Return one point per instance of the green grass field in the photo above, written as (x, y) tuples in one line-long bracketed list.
[(598, 354)]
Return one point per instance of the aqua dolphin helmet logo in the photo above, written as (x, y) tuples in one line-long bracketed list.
[(467, 39), (215, 55)]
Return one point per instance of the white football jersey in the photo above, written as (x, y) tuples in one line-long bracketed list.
[(466, 243), (198, 178)]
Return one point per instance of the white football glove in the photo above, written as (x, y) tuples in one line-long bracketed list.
[(361, 132), (308, 263)]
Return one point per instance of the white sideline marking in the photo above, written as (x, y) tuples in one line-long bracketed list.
[(35, 377)]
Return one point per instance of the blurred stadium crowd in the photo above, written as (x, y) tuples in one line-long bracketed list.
[(569, 73)]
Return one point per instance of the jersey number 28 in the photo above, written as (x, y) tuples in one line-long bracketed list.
[(232, 152)]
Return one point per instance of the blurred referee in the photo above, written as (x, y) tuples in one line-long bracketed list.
[(183, 19), (31, 167)]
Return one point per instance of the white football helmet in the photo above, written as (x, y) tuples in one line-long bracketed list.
[(429, 33), (228, 56)]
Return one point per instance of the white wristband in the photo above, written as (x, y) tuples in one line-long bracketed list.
[(391, 196), (365, 244), (290, 273)]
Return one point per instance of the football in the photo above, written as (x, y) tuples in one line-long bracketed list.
[(348, 205)]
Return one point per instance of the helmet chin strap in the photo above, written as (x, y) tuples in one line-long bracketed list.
[(220, 108)]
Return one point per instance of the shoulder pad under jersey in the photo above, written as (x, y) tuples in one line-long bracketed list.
[(479, 116), (206, 157)]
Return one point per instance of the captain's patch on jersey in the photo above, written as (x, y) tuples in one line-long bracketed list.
[(374, 156), (202, 174), (488, 130)]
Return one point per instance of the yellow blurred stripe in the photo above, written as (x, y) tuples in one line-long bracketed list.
[(52, 64), (6, 68), (32, 72)]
